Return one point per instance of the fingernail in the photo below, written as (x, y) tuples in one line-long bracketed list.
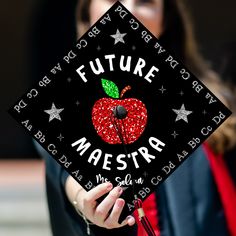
[(109, 186), (119, 190), (130, 220), (120, 203)]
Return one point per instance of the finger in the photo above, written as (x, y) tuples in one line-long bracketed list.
[(89, 200), (130, 220), (112, 220), (97, 192), (105, 206)]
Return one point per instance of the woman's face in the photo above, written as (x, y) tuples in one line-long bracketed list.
[(149, 12)]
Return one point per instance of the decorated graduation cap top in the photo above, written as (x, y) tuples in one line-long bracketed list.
[(119, 107)]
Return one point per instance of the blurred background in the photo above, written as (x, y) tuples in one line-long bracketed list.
[(23, 208)]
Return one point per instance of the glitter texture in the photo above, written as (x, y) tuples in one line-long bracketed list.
[(109, 128), (110, 88)]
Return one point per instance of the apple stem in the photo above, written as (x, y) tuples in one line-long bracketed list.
[(125, 90)]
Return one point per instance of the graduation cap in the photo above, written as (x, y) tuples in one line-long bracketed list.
[(120, 108)]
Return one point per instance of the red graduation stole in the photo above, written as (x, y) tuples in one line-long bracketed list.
[(225, 186)]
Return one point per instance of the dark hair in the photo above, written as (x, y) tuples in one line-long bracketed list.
[(178, 38), (177, 35)]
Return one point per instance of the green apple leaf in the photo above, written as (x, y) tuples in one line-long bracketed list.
[(110, 88)]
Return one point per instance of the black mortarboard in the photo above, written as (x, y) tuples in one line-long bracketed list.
[(119, 107)]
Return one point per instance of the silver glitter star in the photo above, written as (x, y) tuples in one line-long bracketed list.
[(182, 114), (162, 89), (204, 112), (174, 134), (54, 113), (77, 103), (181, 93), (118, 37), (60, 137)]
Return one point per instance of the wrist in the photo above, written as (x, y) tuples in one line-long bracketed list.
[(75, 202), (73, 190), (77, 199)]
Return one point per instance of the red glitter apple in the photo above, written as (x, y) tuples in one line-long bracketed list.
[(111, 129)]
